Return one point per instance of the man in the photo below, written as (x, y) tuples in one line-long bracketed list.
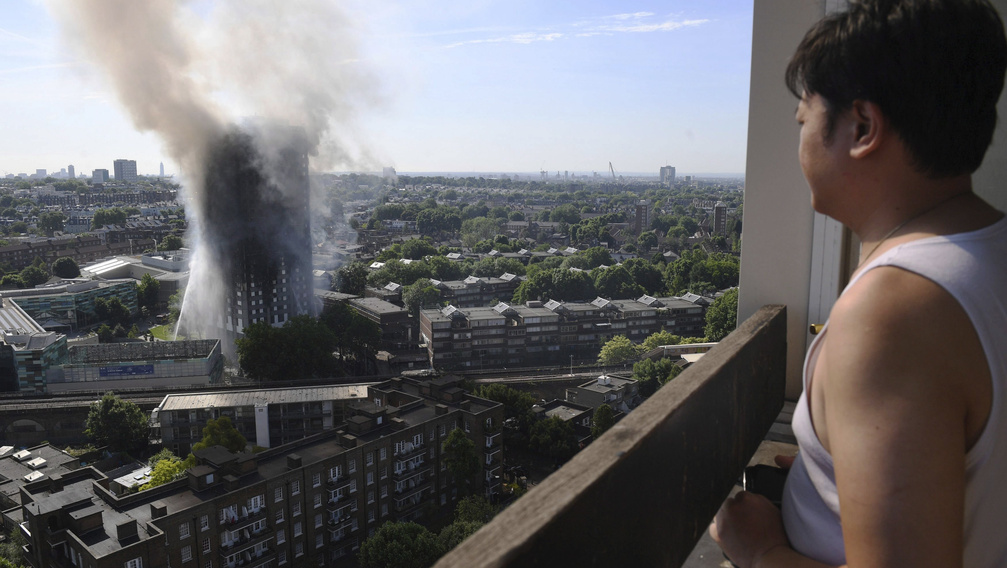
[(902, 425)]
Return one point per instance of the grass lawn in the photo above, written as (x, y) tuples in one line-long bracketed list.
[(165, 332)]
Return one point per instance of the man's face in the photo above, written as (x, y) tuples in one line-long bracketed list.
[(821, 157)]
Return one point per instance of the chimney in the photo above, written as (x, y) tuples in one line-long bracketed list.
[(126, 531), (293, 461), (158, 509)]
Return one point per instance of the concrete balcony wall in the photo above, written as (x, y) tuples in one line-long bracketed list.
[(644, 493)]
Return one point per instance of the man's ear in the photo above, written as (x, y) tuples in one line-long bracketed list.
[(869, 128)]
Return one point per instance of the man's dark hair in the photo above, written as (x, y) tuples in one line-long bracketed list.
[(934, 67)]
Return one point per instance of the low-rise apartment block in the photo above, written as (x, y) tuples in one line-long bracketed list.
[(308, 503), (549, 333)]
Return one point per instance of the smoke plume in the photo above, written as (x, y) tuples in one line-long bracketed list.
[(192, 72)]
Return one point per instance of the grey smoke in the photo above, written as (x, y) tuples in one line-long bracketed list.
[(192, 77)]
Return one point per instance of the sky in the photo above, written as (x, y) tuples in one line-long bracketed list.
[(445, 86)]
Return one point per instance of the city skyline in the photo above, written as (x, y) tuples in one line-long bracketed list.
[(555, 88)]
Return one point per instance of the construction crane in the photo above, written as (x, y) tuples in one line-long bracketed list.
[(611, 169)]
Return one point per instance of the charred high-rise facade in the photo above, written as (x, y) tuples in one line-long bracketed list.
[(256, 204)]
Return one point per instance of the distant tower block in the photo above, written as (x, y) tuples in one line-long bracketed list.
[(162, 170), (124, 170), (642, 216), (69, 172), (720, 218), (668, 176)]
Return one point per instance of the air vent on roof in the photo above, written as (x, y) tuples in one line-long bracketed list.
[(35, 475), (4, 450), (37, 463), (22, 455)]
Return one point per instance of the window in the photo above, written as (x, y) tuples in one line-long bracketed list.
[(183, 530), (370, 496), (370, 515), (278, 495), (299, 549), (295, 487), (318, 520), (418, 439), (319, 543), (206, 546), (281, 536), (186, 553), (383, 453), (204, 523), (209, 564), (134, 563), (296, 508), (353, 486), (370, 458), (282, 557), (443, 430), (353, 465), (279, 516), (256, 502), (384, 509), (318, 500), (335, 473), (370, 478), (384, 473), (384, 491), (316, 479), (297, 528)]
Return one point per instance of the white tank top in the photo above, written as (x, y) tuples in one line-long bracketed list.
[(972, 267)]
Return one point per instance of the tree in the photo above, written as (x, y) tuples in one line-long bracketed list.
[(221, 432), (417, 249), (618, 350), (302, 348), (102, 217), (351, 278), (65, 267), (722, 316), (460, 457), (554, 437), (51, 221), (400, 545), (420, 294), (11, 555), (453, 534), (659, 339), (652, 374), (105, 333), (616, 283), (167, 469), (171, 242), (474, 509), (147, 291), (33, 276), (601, 421), (117, 423), (357, 338)]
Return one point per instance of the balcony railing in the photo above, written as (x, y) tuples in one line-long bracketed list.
[(671, 461)]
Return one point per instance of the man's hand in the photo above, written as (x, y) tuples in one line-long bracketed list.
[(747, 527)]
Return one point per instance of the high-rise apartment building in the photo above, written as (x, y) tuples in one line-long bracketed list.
[(257, 225), (70, 172), (99, 176), (124, 170), (668, 176), (720, 218), (642, 221)]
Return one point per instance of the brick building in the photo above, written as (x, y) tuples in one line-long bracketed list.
[(549, 333), (308, 503)]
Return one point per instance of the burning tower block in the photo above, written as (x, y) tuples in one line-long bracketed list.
[(256, 201)]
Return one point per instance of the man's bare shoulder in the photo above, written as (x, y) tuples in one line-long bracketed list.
[(897, 334)]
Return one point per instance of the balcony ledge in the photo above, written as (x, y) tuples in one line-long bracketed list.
[(672, 462)]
